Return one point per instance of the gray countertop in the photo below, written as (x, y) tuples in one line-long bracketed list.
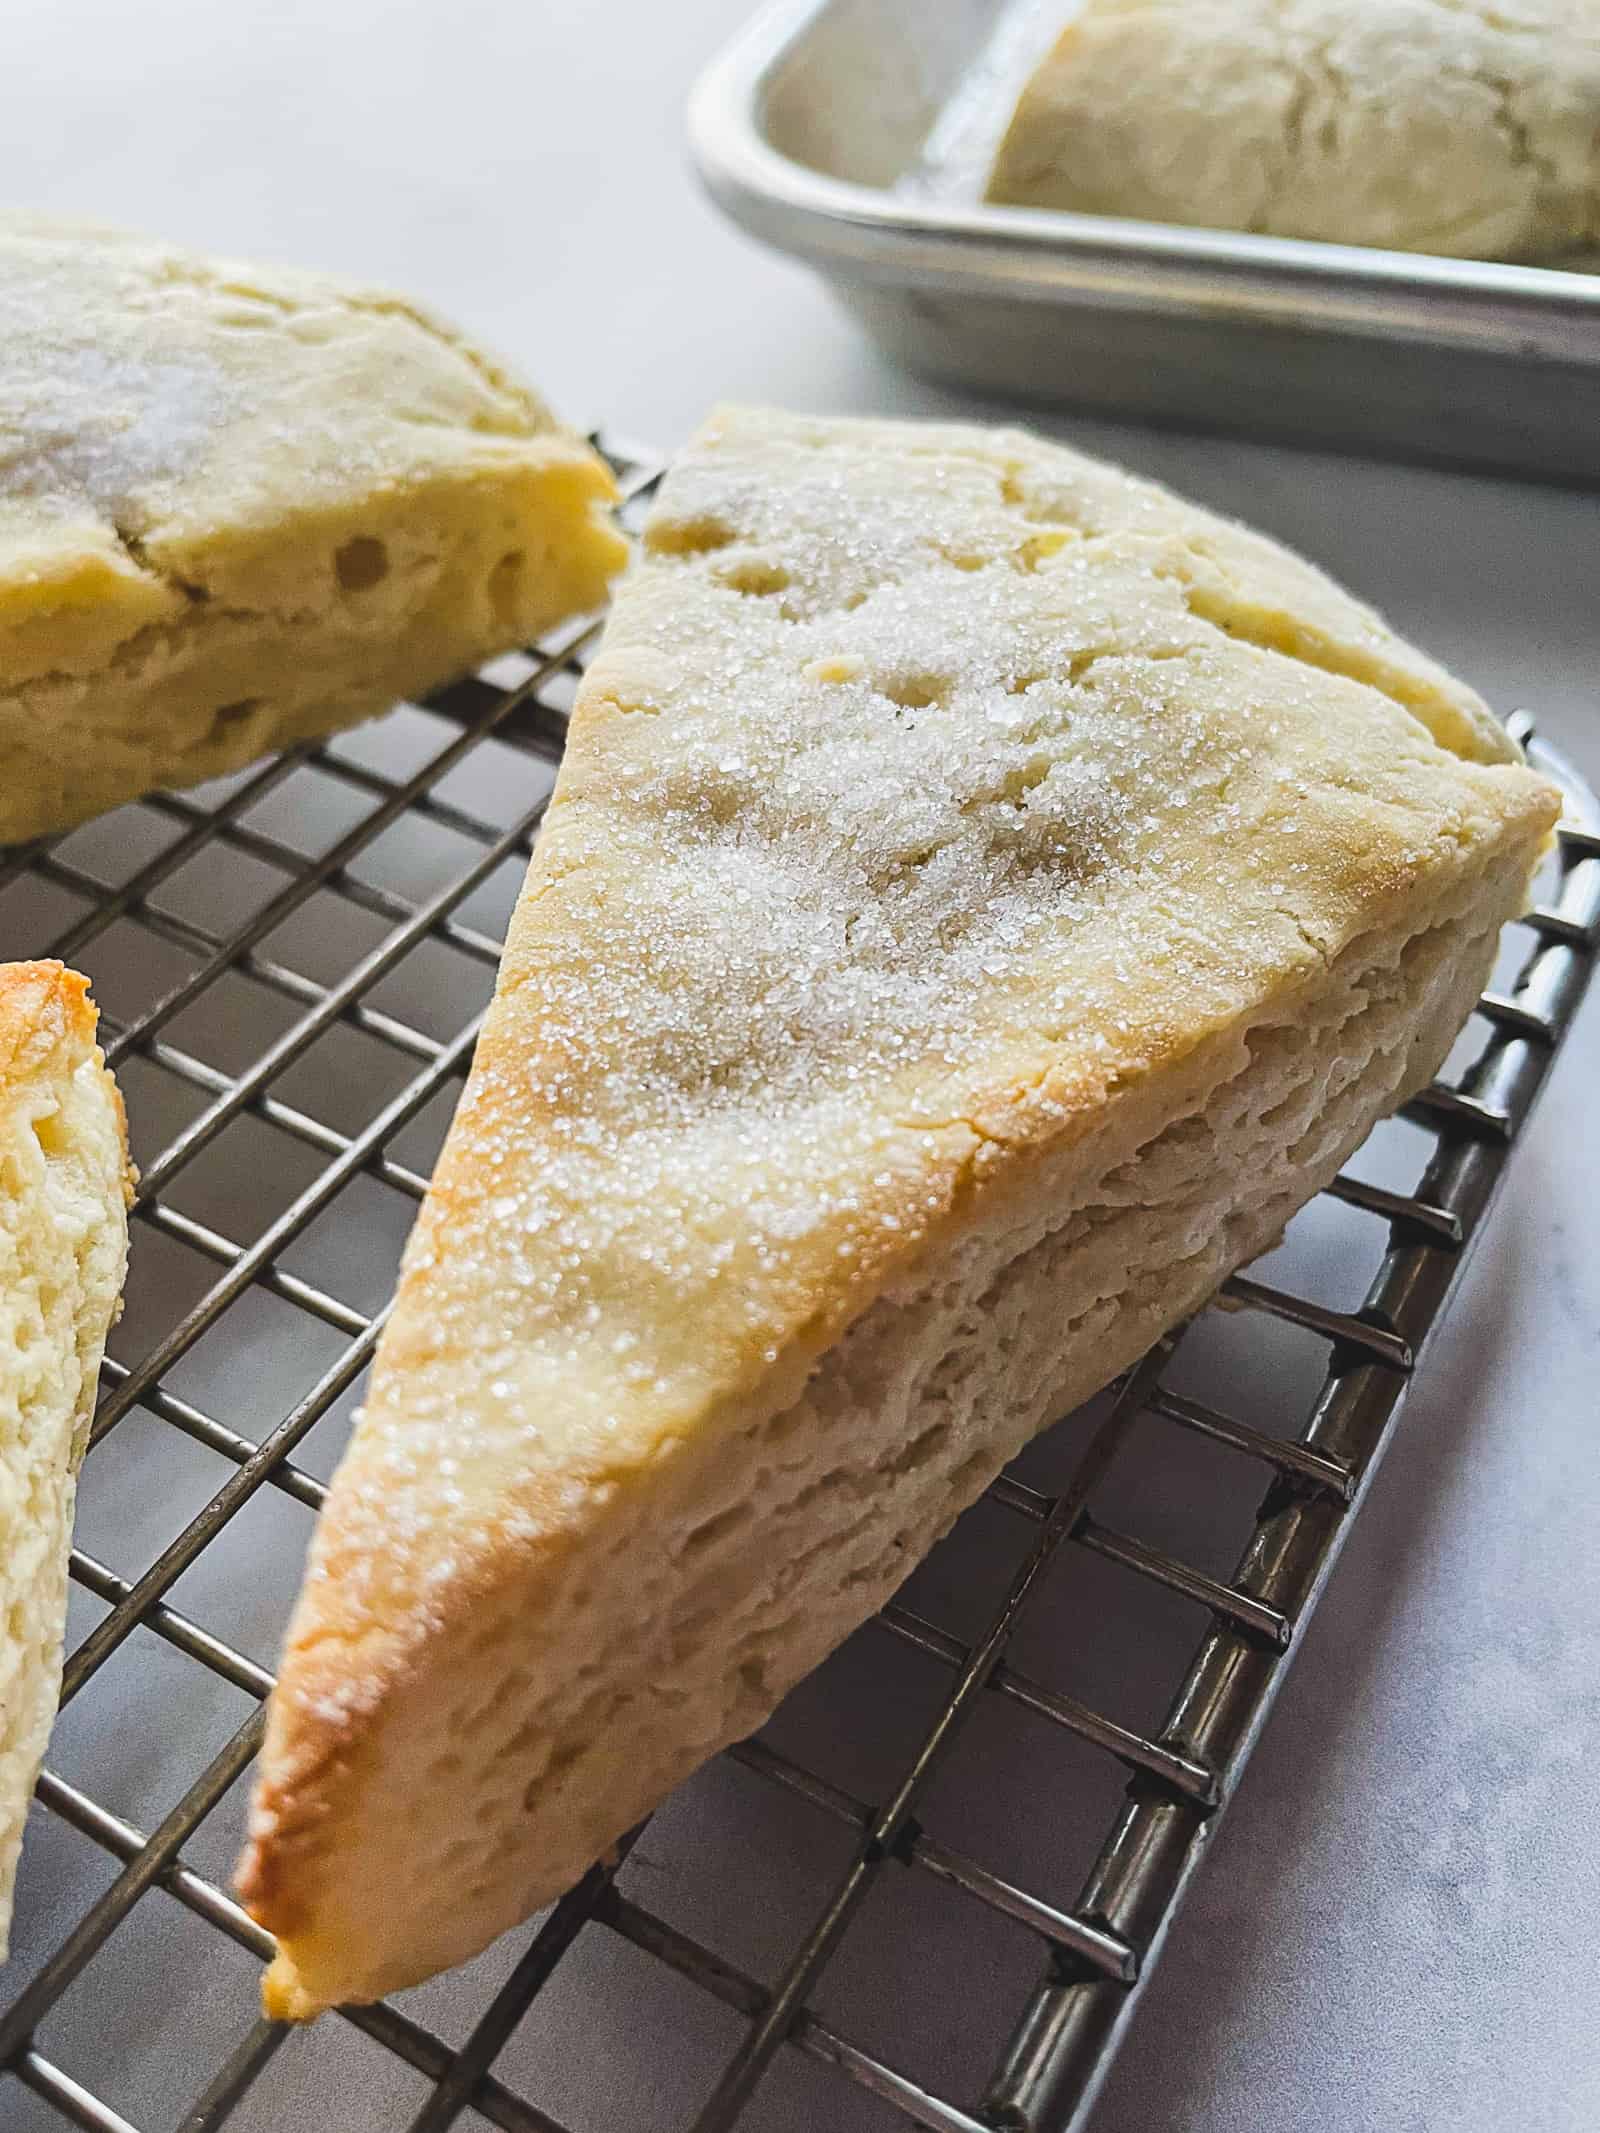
[(1395, 1930)]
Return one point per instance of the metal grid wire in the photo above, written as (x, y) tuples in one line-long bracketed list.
[(319, 1136)]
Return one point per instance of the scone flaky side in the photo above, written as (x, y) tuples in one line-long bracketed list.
[(984, 896), (241, 508), (63, 1248)]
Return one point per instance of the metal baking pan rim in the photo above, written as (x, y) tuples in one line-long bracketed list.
[(1050, 256)]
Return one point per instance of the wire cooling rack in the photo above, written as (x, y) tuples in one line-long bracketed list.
[(927, 1893)]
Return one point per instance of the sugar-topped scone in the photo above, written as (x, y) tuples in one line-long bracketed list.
[(242, 507), (63, 1248), (1454, 126), (983, 898)]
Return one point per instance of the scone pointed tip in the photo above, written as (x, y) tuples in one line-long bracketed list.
[(283, 1997)]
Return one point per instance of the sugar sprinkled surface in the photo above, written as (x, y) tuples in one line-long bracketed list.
[(169, 395), (89, 411), (912, 790)]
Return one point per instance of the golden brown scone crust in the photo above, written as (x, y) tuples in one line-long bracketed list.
[(241, 507), (983, 896), (64, 1188)]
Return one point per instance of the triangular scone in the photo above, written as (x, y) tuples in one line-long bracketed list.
[(63, 1249), (242, 507), (979, 906)]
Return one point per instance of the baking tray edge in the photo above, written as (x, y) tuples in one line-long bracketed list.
[(1469, 363)]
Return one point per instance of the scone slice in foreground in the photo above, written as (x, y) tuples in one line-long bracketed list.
[(983, 898), (63, 1250), (243, 507)]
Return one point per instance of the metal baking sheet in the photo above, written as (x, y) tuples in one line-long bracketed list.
[(811, 131)]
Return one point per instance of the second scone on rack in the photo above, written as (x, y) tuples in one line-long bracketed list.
[(242, 507)]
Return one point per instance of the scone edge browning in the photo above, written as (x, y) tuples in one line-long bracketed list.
[(64, 1188), (353, 1689)]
